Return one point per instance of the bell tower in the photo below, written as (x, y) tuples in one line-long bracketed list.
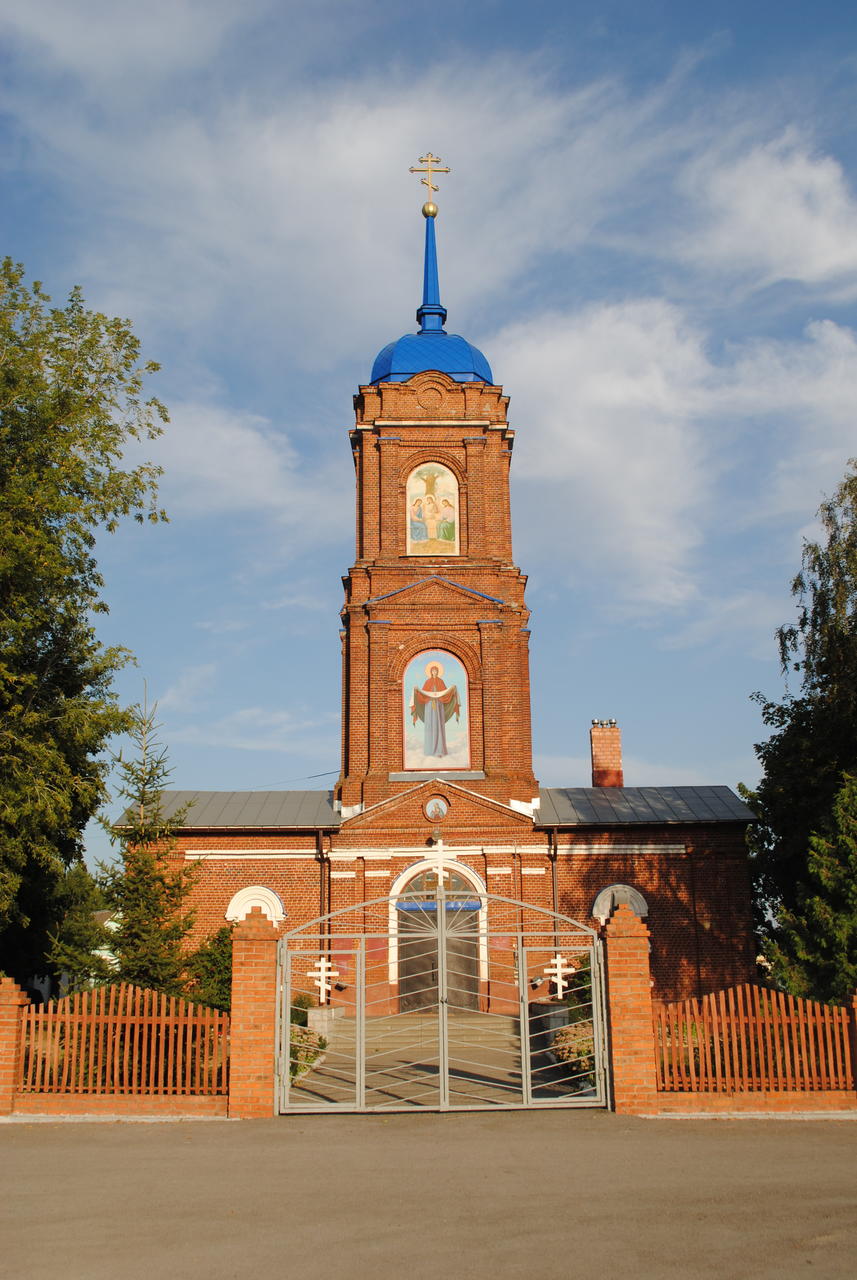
[(435, 641)]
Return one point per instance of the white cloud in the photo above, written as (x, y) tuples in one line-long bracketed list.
[(290, 215), (185, 693), (219, 460), (780, 210), (627, 459), (267, 729), (110, 38), (745, 620), (610, 447)]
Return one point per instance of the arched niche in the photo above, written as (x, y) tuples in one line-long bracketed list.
[(609, 899), (432, 511), (256, 895), (435, 712)]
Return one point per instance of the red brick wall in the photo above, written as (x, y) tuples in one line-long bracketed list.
[(462, 426), (629, 1013), (605, 746), (253, 1019), (694, 879)]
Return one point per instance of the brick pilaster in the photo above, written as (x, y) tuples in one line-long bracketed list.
[(253, 1022), (12, 1000), (629, 1005)]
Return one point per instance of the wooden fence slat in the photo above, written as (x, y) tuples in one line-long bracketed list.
[(733, 1038), (38, 1030), (746, 1076), (828, 1044), (836, 1019), (777, 1036), (787, 1004), (113, 1032), (849, 1081), (690, 1047), (171, 1046), (160, 1030), (190, 1055), (805, 1046), (670, 1023)]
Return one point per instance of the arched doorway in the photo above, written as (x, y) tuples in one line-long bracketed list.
[(419, 936)]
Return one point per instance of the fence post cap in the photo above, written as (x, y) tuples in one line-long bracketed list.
[(625, 923), (11, 993), (256, 925)]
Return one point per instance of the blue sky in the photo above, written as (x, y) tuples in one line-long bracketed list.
[(651, 231)]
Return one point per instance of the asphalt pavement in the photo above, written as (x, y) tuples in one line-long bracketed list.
[(544, 1195)]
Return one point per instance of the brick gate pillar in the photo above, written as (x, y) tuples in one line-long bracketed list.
[(12, 1000), (253, 1020), (629, 1005)]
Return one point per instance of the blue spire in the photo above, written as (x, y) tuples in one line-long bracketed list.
[(431, 315)]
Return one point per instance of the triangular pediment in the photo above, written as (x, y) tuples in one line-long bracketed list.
[(468, 813), (431, 589)]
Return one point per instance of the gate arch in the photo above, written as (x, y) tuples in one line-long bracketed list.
[(529, 1033)]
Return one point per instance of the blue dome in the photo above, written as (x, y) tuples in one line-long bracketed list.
[(432, 347), (417, 352)]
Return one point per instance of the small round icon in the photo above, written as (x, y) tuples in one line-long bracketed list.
[(436, 808)]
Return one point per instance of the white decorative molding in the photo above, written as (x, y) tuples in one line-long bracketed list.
[(533, 871), (499, 871), (610, 898), (256, 895), (343, 875), (612, 850), (379, 875), (253, 855)]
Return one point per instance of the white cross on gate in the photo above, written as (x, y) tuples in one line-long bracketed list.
[(557, 971), (321, 973)]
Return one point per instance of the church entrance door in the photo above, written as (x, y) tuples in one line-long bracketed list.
[(443, 999)]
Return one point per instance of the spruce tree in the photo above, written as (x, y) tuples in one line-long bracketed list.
[(148, 892), (81, 948), (210, 971)]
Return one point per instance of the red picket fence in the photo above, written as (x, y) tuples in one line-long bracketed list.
[(124, 1040), (751, 1039)]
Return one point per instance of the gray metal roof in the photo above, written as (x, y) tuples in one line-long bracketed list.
[(307, 809), (560, 806), (615, 806)]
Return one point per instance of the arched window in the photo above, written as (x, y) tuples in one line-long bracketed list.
[(435, 712), (431, 511)]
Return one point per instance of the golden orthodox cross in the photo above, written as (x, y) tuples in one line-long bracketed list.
[(432, 165)]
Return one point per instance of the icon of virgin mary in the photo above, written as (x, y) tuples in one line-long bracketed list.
[(435, 704)]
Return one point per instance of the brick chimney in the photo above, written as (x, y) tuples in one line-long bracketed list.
[(605, 742)]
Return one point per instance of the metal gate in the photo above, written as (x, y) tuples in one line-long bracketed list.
[(443, 999)]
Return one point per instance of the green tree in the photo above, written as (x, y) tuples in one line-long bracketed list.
[(210, 970), (82, 945), (71, 401), (148, 891), (815, 949), (814, 743)]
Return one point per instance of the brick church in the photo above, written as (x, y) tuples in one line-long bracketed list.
[(436, 771)]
